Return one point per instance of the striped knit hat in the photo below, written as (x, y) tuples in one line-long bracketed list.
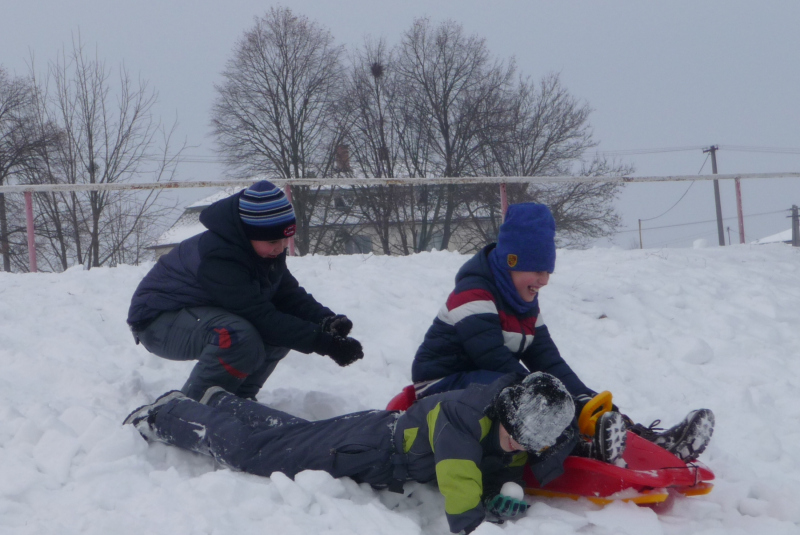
[(266, 213)]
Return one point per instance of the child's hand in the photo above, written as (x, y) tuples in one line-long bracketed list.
[(339, 325), (506, 506)]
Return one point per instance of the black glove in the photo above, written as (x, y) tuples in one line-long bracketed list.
[(338, 325), (345, 351)]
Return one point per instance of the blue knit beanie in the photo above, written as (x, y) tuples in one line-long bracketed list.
[(266, 213), (526, 241)]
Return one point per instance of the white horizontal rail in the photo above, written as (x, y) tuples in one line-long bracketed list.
[(384, 182)]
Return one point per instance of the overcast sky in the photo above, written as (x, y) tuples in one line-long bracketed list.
[(666, 75)]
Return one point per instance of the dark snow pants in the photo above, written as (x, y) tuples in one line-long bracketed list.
[(456, 381), (254, 438), (229, 351)]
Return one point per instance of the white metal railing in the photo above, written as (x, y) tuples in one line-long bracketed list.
[(28, 190), (384, 181)]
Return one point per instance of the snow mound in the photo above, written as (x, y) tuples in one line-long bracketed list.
[(666, 331)]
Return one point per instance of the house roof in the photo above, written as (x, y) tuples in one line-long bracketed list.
[(188, 224), (785, 237)]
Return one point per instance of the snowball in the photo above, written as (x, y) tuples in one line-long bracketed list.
[(512, 490)]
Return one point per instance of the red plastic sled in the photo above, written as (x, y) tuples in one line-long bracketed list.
[(653, 475), (403, 400)]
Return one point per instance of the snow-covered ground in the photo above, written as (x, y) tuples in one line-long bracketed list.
[(665, 330)]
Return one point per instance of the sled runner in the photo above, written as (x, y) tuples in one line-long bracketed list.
[(652, 477)]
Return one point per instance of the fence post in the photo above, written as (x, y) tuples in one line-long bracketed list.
[(288, 190), (739, 212), (795, 227), (29, 223), (503, 202)]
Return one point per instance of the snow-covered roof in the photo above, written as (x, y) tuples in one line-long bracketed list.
[(211, 199), (785, 236), (188, 224), (178, 233)]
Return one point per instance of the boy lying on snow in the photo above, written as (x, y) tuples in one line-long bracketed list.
[(491, 325), (470, 441)]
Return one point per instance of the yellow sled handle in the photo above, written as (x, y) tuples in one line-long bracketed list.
[(592, 411)]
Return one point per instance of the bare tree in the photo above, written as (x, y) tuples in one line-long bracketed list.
[(548, 135), (100, 132), (584, 211), (275, 111), (455, 84), (18, 144), (371, 103)]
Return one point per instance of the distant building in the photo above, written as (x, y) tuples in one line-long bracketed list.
[(785, 237), (355, 236), (188, 224)]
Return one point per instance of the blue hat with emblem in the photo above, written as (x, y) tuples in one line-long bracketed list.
[(527, 239)]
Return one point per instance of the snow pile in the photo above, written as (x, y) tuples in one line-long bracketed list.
[(666, 331)]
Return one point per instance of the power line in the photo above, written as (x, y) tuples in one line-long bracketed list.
[(733, 148), (682, 196), (702, 222), (674, 205), (773, 150), (627, 152)]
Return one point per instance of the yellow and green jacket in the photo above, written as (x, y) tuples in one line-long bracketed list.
[(447, 437)]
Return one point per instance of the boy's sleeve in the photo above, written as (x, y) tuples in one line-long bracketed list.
[(543, 356), (455, 442), (293, 299), (232, 287)]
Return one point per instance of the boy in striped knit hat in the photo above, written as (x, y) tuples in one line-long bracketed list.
[(226, 299)]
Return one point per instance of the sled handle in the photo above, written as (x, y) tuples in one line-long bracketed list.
[(592, 411)]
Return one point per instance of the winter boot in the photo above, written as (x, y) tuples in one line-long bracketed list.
[(687, 440), (609, 440), (142, 417), (211, 392)]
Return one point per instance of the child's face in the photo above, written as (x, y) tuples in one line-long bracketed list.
[(269, 249), (528, 283), (507, 442)]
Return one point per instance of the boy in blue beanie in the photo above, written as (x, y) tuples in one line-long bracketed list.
[(491, 324), (226, 299)]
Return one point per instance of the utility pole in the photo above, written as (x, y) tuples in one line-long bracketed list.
[(795, 227), (720, 232), (640, 235)]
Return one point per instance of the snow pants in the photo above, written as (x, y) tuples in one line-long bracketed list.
[(247, 436), (229, 351), (456, 381)]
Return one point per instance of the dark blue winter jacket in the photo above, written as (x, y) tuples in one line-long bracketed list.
[(219, 268), (476, 329)]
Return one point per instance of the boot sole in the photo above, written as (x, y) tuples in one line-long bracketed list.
[(142, 412), (613, 437), (700, 429)]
